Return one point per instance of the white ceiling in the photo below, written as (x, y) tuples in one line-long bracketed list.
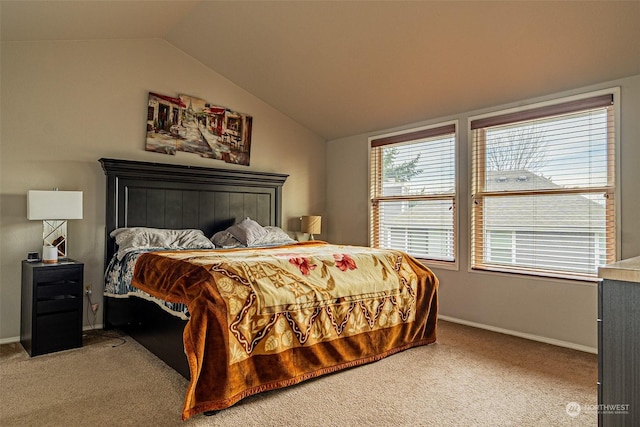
[(343, 68)]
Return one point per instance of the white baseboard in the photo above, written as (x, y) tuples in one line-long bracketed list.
[(532, 337), (11, 340)]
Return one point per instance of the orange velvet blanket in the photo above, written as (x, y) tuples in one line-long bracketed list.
[(268, 318)]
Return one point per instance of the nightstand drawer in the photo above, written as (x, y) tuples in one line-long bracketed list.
[(58, 275), (59, 303), (52, 290), (59, 331)]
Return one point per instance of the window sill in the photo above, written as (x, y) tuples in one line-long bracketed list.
[(440, 265), (579, 280)]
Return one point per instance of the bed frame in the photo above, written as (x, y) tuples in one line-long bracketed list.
[(173, 196)]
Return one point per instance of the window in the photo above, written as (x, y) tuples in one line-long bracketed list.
[(413, 189), (543, 189)]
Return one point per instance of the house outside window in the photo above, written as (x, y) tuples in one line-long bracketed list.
[(543, 183), (413, 192)]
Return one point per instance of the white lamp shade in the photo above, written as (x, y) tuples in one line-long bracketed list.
[(54, 204), (311, 224)]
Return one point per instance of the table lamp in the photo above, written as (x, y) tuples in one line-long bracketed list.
[(54, 208), (311, 225)]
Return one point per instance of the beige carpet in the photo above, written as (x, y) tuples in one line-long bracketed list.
[(471, 377)]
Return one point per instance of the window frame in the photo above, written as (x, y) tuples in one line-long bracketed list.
[(477, 170), (375, 187)]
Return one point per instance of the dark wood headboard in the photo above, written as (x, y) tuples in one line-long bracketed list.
[(142, 194)]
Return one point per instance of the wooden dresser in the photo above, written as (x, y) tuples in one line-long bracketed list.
[(619, 344)]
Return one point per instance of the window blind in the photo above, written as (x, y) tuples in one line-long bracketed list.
[(543, 189), (413, 185)]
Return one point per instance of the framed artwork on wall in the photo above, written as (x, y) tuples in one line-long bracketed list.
[(193, 125)]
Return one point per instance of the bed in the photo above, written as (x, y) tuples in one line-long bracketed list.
[(260, 317)]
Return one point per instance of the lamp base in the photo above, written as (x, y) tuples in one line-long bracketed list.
[(49, 254)]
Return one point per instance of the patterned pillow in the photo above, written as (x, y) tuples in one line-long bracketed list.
[(275, 236), (224, 239), (247, 231)]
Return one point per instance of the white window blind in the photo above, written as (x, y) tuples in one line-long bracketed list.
[(413, 193), (543, 189)]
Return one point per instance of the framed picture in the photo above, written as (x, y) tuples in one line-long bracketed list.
[(195, 126)]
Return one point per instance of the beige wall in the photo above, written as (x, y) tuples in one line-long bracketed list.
[(556, 311), (64, 105)]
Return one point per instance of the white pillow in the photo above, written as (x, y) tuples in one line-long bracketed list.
[(143, 237)]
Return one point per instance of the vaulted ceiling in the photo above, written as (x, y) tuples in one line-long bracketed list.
[(343, 68)]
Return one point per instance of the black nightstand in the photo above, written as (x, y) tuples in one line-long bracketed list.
[(51, 318)]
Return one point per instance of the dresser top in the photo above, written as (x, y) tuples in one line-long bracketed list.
[(627, 270)]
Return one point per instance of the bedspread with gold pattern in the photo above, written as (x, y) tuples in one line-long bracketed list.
[(263, 318)]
